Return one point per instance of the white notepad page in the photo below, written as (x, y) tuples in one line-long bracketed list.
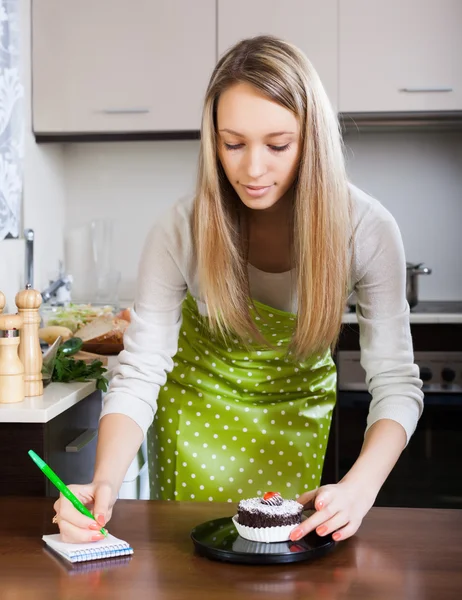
[(107, 548)]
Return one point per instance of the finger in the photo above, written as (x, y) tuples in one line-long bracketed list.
[(345, 532), (103, 504), (318, 498), (76, 535), (336, 522), (56, 505), (307, 499), (314, 521), (85, 493), (323, 498), (68, 512)]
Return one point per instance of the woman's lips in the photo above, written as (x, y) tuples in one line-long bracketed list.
[(257, 191)]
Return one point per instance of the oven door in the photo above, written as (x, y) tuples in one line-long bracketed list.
[(429, 472)]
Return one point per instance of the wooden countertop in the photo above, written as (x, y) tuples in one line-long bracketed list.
[(398, 554)]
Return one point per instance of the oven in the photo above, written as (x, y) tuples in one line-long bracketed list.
[(429, 472)]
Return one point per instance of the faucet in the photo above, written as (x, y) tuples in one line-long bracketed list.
[(63, 281), (52, 290)]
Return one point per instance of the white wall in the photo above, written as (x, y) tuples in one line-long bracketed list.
[(44, 197), (130, 182), (417, 176)]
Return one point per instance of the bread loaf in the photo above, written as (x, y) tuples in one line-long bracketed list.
[(103, 329)]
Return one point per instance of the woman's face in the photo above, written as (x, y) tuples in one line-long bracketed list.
[(258, 145)]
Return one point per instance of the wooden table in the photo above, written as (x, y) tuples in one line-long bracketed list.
[(408, 554)]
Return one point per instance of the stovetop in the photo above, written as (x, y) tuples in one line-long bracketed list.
[(438, 307)]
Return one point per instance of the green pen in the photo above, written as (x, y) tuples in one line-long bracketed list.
[(62, 487)]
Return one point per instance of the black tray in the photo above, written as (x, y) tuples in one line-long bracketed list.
[(219, 540)]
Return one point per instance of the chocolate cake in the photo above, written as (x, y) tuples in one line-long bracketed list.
[(270, 511)]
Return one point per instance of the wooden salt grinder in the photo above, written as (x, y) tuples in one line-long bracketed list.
[(28, 302), (11, 368)]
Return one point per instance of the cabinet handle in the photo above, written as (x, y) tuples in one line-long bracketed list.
[(82, 440), (423, 89), (125, 111)]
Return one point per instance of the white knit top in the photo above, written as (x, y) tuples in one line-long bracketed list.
[(168, 270)]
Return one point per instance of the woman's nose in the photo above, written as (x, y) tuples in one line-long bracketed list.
[(256, 166)]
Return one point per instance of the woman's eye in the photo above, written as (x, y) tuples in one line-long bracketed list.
[(271, 147), (233, 146), (280, 148)]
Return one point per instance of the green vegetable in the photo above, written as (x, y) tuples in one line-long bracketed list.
[(71, 346), (68, 369), (76, 316)]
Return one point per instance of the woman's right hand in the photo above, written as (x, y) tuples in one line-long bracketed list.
[(99, 498)]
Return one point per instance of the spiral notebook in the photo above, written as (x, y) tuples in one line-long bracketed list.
[(107, 548)]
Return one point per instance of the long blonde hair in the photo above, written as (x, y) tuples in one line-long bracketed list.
[(321, 210)]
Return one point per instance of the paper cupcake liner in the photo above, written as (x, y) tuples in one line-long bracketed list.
[(264, 534)]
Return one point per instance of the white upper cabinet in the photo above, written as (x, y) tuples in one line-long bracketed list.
[(118, 66), (309, 24), (400, 55)]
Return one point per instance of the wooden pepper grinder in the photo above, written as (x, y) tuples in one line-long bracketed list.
[(28, 302), (2, 302), (11, 367)]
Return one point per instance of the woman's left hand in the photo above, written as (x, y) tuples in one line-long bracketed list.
[(340, 509)]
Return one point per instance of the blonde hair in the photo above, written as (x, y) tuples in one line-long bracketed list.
[(321, 210)]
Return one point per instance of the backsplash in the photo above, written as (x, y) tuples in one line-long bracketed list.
[(132, 183), (416, 175)]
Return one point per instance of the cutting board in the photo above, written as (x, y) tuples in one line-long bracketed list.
[(89, 357)]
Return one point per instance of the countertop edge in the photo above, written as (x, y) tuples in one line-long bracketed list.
[(56, 399), (29, 410)]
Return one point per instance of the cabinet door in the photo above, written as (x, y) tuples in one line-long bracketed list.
[(63, 443), (309, 24), (117, 66), (70, 442), (400, 55)]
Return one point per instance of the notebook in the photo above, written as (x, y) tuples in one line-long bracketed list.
[(79, 568), (107, 548)]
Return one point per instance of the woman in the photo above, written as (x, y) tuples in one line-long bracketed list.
[(245, 286)]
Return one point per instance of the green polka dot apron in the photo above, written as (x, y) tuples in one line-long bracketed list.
[(235, 420)]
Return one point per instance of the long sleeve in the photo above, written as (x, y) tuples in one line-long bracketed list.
[(151, 340), (167, 270), (383, 316)]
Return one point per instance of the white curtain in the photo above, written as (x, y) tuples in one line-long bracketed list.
[(11, 120)]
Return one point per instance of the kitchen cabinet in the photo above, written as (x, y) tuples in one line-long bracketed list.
[(66, 443), (400, 55), (309, 24), (116, 67)]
